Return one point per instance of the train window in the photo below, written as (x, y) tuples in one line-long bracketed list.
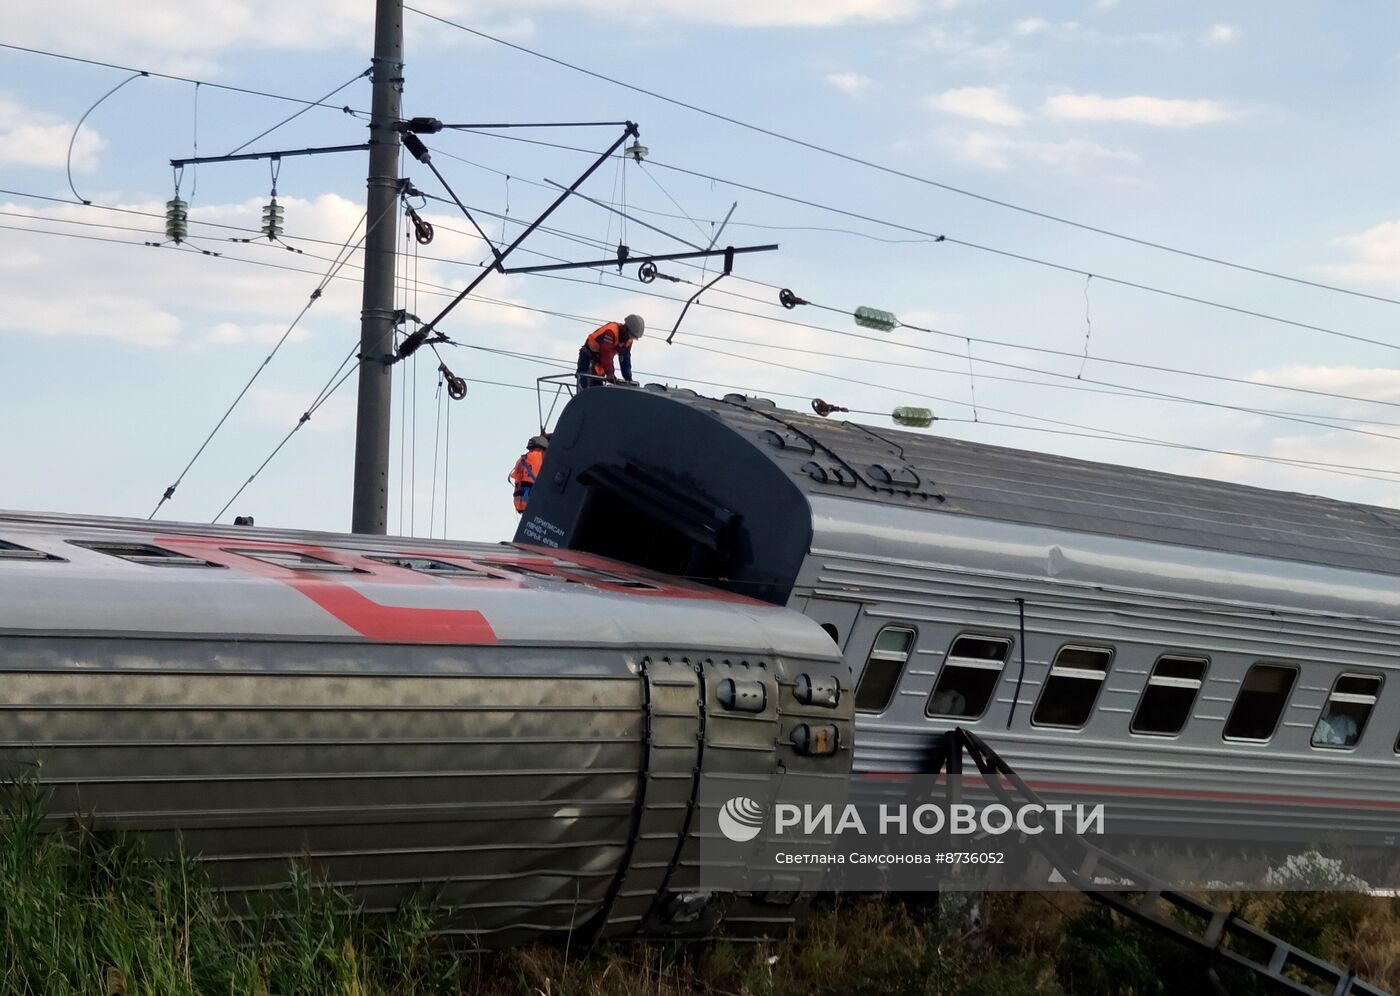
[(295, 560), (1073, 687), (883, 668), (1170, 694), (969, 677), (1343, 718), (143, 553), (427, 565), (531, 571), (593, 574), (1260, 703), (13, 551)]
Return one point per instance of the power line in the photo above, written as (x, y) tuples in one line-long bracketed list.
[(341, 259), (1157, 368), (1349, 470), (993, 250), (902, 174), (1091, 432), (181, 79), (1147, 393), (296, 114)]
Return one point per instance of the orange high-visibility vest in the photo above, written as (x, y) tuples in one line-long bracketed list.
[(524, 475), (604, 343)]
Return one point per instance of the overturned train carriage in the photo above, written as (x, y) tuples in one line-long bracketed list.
[(1210, 661), (521, 737)]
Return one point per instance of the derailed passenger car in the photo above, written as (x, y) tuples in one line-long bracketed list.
[(520, 737)]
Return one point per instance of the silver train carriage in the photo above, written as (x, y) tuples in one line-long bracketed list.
[(519, 736), (1210, 661)]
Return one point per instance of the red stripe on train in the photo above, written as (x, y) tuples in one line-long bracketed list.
[(371, 619)]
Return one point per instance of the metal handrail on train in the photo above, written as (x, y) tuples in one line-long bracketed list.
[(1150, 902), (563, 384)]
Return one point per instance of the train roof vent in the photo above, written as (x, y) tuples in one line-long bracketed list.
[(788, 441), (13, 551), (295, 560), (437, 568), (143, 553)]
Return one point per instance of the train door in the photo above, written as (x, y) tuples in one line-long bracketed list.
[(837, 617)]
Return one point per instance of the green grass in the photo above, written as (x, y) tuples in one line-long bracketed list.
[(90, 914)]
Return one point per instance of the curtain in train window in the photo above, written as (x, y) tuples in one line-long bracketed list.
[(1260, 704), (883, 668), (1169, 696), (1072, 687), (1343, 718), (969, 677)]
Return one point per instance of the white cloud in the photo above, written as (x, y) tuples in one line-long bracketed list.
[(745, 13), (1105, 4), (963, 46), (283, 408), (1221, 34), (854, 84), (1161, 112), (1375, 255), (169, 297), (33, 138), (1000, 152), (981, 103), (1379, 383), (188, 36), (1030, 26)]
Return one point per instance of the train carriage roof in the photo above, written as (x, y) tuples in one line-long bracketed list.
[(669, 434)]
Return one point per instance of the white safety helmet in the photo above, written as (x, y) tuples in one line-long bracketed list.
[(636, 328)]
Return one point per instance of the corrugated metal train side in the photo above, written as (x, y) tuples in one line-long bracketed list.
[(519, 737)]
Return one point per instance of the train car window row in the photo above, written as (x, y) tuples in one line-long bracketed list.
[(1169, 697), (1076, 678), (969, 677), (883, 668)]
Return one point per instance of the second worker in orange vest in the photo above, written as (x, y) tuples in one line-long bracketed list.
[(527, 470), (605, 344)]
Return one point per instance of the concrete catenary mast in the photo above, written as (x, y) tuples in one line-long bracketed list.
[(370, 509)]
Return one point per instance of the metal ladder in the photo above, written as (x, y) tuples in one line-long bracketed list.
[(1218, 935)]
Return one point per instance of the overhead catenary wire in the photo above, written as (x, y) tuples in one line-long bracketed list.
[(596, 243), (1307, 464), (250, 91), (1007, 253), (1107, 435), (320, 102), (439, 291), (77, 128), (904, 174), (340, 260)]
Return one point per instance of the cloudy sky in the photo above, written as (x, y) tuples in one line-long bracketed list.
[(1256, 133)]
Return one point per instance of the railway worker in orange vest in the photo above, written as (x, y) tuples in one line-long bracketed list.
[(527, 470), (603, 345)]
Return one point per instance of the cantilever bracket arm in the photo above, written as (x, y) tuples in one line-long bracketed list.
[(631, 131), (728, 254), (728, 268), (280, 154)]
